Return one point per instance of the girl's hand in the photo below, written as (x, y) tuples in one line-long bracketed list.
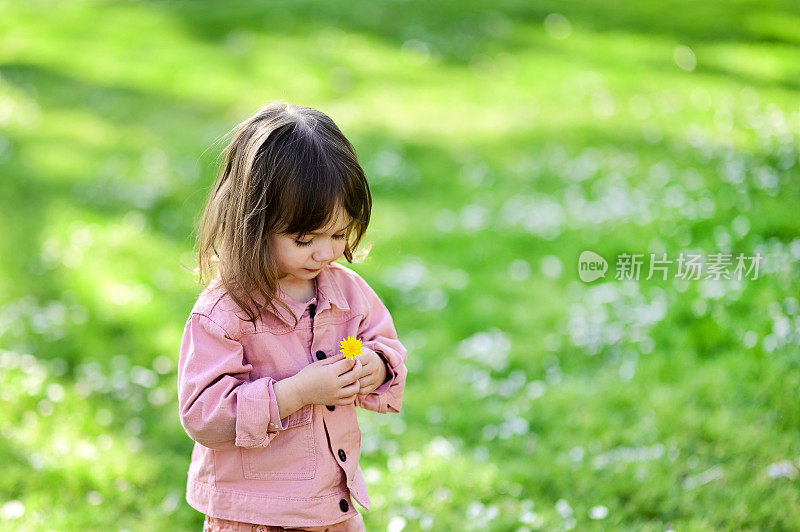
[(373, 372), (331, 381)]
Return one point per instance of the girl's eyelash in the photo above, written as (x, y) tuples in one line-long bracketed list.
[(303, 244)]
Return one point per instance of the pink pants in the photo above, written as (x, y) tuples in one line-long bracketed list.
[(213, 524)]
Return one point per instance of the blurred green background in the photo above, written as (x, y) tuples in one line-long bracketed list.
[(501, 140)]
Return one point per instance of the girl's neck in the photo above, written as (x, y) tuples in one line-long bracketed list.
[(299, 291)]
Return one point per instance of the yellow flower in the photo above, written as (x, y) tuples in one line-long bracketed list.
[(350, 347)]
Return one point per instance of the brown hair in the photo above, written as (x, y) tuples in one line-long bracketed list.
[(285, 171)]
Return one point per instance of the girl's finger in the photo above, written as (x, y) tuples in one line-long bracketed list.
[(345, 366), (349, 378), (331, 359), (350, 389), (344, 401), (350, 373)]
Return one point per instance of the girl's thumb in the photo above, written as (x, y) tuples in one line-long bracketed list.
[(348, 362), (328, 360)]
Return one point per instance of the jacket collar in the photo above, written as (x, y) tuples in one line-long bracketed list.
[(329, 293), (328, 290)]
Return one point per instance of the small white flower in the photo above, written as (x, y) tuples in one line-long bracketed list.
[(598, 512)]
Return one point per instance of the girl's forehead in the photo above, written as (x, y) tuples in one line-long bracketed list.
[(338, 223)]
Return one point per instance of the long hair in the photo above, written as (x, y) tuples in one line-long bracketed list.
[(285, 171)]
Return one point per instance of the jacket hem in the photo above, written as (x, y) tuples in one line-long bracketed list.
[(267, 509)]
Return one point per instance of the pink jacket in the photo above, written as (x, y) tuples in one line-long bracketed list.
[(248, 465)]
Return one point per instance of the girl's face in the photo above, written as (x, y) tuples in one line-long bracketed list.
[(301, 259)]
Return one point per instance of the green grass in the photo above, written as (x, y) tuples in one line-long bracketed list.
[(500, 144)]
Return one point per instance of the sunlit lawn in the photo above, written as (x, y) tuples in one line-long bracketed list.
[(501, 141)]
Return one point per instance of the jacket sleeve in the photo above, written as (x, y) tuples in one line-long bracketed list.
[(378, 333), (218, 403)]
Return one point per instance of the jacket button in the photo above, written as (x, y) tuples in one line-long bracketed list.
[(321, 355), (342, 456), (330, 407), (343, 505)]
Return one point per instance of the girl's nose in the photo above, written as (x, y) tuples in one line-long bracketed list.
[(324, 253)]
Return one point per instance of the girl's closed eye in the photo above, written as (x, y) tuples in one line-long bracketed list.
[(301, 243)]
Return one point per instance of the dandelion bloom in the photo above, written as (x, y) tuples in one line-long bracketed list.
[(350, 347)]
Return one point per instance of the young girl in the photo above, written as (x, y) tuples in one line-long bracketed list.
[(263, 389)]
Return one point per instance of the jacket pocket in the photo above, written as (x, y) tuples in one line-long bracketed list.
[(291, 455)]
